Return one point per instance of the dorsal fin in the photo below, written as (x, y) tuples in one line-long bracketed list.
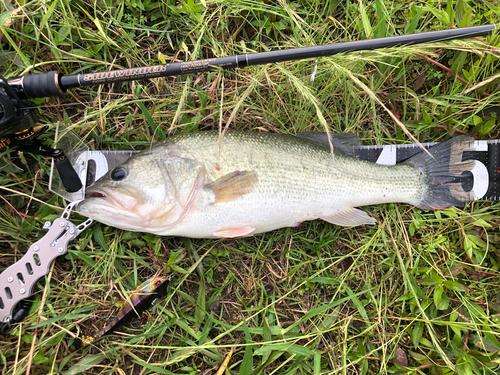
[(343, 142)]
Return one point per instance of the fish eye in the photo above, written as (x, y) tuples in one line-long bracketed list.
[(118, 174)]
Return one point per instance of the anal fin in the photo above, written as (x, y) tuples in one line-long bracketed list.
[(234, 232), (351, 217), (233, 185)]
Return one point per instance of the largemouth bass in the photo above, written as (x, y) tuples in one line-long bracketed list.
[(202, 185)]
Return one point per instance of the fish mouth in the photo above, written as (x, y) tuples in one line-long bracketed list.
[(104, 201), (94, 192), (102, 206), (116, 198)]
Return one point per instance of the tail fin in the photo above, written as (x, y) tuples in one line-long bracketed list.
[(443, 170)]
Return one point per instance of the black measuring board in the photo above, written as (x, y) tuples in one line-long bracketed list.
[(492, 161)]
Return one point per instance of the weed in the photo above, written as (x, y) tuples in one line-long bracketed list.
[(416, 294)]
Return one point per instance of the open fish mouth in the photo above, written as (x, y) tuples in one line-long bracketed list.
[(114, 200), (94, 192), (100, 205)]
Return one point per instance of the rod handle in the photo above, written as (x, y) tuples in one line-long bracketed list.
[(41, 85)]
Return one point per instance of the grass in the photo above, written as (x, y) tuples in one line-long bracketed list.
[(417, 294)]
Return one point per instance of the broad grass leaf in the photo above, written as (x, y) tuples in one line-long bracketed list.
[(459, 62), (475, 310), (267, 336), (247, 362), (99, 237), (289, 348), (418, 357), (81, 52), (440, 14), (330, 319), (492, 341), (468, 18), (492, 7), (209, 322), (418, 331), (48, 14), (201, 307), (86, 363), (85, 258), (366, 22), (157, 131), (357, 303), (381, 11), (363, 362), (454, 285), (4, 16), (61, 317), (161, 57), (324, 280), (412, 26), (438, 292), (187, 328), (155, 369), (317, 363)]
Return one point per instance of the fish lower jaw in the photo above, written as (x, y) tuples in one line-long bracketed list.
[(112, 216)]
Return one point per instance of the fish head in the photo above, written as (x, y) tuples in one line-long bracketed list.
[(150, 191)]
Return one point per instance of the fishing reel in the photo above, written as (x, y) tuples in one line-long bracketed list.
[(18, 118), (16, 114)]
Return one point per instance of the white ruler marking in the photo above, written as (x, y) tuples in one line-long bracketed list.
[(388, 155)]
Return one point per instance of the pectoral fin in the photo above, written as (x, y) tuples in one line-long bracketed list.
[(234, 232), (351, 217), (233, 185)]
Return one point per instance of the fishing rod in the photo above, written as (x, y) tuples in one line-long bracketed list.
[(53, 84), (18, 115)]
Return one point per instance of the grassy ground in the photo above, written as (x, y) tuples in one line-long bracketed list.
[(417, 294)]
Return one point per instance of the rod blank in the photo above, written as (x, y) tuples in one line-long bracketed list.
[(36, 86)]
